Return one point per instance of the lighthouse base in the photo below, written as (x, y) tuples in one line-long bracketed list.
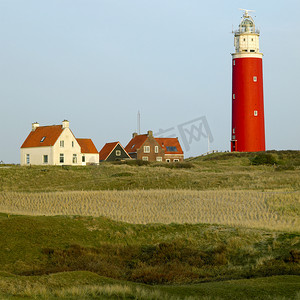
[(234, 146)]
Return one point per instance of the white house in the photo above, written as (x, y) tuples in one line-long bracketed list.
[(56, 145)]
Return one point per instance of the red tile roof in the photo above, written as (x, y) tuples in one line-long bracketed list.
[(165, 143), (87, 146), (43, 136), (107, 149), (136, 143)]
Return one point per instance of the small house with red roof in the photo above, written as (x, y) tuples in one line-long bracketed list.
[(147, 147), (89, 153), (113, 152), (57, 145)]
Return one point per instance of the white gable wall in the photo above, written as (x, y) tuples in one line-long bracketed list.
[(67, 150)]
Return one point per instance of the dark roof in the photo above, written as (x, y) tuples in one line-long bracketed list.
[(43, 136)]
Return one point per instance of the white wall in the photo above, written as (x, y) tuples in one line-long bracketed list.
[(68, 151), (37, 155), (91, 158)]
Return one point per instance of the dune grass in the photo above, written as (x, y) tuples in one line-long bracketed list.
[(278, 210), (64, 249), (86, 285), (152, 254), (215, 171)]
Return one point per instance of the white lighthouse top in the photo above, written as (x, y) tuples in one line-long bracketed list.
[(246, 38), (247, 24)]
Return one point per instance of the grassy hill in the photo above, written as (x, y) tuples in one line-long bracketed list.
[(215, 171), (223, 226), (188, 258)]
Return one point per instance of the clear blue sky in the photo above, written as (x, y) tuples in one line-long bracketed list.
[(97, 62)]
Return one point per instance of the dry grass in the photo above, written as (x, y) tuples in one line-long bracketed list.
[(277, 210), (105, 291), (47, 287)]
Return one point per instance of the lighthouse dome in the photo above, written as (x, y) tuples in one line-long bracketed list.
[(247, 25)]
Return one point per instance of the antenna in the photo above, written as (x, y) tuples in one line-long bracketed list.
[(246, 11), (139, 122)]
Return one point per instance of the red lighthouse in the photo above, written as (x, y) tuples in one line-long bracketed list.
[(248, 129)]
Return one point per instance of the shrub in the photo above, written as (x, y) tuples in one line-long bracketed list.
[(263, 159), (287, 167), (137, 162), (175, 165), (122, 174)]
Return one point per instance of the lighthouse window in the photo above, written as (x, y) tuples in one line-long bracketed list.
[(255, 113), (234, 62), (233, 96), (244, 40), (254, 78), (233, 130)]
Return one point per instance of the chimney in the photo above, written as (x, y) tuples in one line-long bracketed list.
[(150, 133), (134, 134), (65, 124), (35, 125)]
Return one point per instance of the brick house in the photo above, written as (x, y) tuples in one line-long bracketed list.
[(147, 147)]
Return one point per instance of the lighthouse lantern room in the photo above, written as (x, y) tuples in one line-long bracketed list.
[(248, 130)]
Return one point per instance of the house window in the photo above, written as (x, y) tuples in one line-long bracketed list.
[(27, 159), (43, 138), (118, 152), (145, 158), (171, 148), (255, 113), (62, 144), (159, 158), (61, 158), (146, 149), (176, 160), (74, 158), (72, 144), (167, 160), (254, 78), (83, 158), (156, 149), (45, 159)]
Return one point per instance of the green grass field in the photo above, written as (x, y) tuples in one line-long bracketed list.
[(224, 226), (179, 260), (215, 171)]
